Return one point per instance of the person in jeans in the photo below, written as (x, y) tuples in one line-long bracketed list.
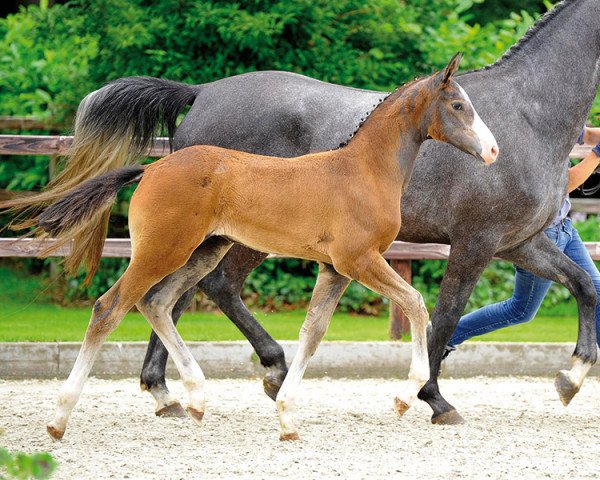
[(530, 289)]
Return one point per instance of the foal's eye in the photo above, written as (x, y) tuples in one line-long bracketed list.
[(457, 106)]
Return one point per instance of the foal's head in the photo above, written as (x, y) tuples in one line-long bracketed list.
[(449, 116)]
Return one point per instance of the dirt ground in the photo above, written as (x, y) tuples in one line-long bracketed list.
[(516, 427)]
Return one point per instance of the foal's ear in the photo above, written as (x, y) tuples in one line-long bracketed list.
[(451, 68)]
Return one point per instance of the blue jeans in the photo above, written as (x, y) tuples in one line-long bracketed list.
[(529, 291)]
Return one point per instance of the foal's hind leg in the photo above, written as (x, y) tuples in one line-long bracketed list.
[(152, 377), (107, 313), (329, 288), (157, 305), (375, 273), (222, 286)]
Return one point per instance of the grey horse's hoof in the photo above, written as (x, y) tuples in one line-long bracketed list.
[(565, 387), (451, 417), (271, 387), (172, 410)]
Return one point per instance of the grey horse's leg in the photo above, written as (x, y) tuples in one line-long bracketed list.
[(223, 286), (541, 257), (465, 265)]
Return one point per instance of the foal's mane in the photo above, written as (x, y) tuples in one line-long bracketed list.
[(531, 33), (388, 98)]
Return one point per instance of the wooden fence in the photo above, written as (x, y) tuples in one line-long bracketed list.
[(400, 254)]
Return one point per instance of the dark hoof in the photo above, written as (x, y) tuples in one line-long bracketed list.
[(173, 410), (55, 433), (401, 407), (196, 415), (271, 387), (451, 417), (565, 387), (289, 437)]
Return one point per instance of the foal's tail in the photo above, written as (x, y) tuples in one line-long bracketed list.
[(83, 213), (114, 126)]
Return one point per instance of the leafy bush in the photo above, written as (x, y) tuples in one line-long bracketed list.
[(23, 466), (289, 283)]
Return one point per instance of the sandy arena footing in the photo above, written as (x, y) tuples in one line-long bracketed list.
[(516, 427)]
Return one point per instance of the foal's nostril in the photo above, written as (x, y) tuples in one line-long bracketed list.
[(494, 152)]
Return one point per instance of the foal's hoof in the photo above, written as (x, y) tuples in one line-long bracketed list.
[(289, 437), (565, 387), (173, 410), (271, 387), (196, 415), (452, 417), (55, 433), (401, 406)]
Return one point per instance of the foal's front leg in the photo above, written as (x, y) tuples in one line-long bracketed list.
[(375, 273), (329, 288)]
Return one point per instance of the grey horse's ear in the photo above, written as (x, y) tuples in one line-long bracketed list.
[(450, 69)]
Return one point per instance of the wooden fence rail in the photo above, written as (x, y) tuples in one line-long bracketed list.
[(58, 145), (400, 254)]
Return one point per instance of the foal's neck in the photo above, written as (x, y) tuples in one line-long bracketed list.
[(389, 140)]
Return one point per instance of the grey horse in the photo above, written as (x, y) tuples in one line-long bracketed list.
[(535, 100)]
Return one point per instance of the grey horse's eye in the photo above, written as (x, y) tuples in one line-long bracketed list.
[(457, 105)]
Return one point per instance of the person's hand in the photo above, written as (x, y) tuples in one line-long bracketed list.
[(589, 136)]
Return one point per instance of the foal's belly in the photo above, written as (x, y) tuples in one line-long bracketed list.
[(286, 244)]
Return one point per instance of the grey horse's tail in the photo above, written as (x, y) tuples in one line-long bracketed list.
[(113, 128)]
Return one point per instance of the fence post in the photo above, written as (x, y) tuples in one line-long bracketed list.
[(399, 324)]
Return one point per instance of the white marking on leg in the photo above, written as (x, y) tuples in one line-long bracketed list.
[(191, 374), (286, 398), (71, 389), (107, 314), (419, 365), (329, 288), (578, 371), (381, 278), (157, 308), (163, 397)]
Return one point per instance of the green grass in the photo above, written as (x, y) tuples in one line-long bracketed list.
[(23, 317), (46, 323)]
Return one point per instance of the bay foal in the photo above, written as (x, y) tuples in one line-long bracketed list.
[(340, 208)]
